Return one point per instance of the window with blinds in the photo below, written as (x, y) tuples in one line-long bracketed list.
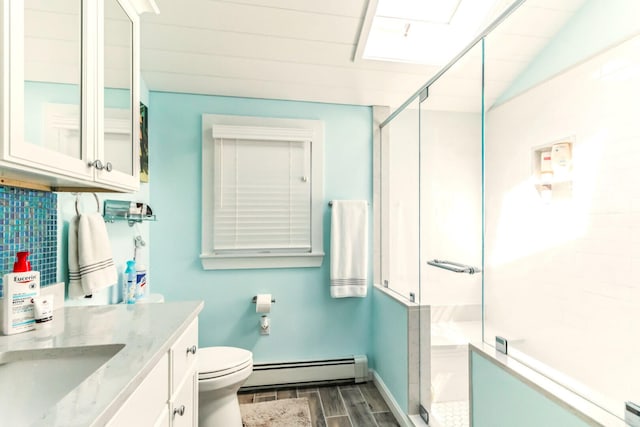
[(262, 192), (262, 195)]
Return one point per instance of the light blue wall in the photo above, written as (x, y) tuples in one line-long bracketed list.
[(596, 26), (389, 344), (306, 322), (144, 92), (502, 400)]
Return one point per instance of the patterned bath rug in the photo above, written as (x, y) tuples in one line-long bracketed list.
[(277, 413)]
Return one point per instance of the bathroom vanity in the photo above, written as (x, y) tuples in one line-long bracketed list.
[(110, 365)]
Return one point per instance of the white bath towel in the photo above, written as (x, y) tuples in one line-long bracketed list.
[(349, 244), (91, 265)]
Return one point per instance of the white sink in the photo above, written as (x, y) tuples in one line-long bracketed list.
[(32, 381)]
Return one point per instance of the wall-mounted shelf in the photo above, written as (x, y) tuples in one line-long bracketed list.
[(132, 219), (122, 210)]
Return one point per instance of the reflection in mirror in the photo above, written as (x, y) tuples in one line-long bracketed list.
[(52, 75), (118, 54), (561, 156)]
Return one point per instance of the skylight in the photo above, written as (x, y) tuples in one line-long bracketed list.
[(422, 31)]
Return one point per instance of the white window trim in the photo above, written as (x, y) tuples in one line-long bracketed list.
[(244, 127)]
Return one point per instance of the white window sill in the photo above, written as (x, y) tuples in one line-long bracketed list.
[(274, 260)]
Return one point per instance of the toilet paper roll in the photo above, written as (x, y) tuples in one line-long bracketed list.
[(263, 303)]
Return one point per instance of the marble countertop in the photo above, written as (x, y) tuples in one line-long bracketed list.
[(146, 330)]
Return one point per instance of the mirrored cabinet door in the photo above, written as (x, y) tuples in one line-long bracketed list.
[(70, 98), (53, 75), (47, 126), (117, 128)]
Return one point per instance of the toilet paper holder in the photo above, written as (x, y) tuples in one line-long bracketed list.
[(255, 299)]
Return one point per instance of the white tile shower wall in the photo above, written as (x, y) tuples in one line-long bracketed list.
[(419, 354), (561, 279)]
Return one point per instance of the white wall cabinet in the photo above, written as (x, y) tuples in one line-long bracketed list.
[(70, 94), (168, 396)]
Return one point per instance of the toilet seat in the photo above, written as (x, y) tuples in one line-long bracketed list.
[(215, 362)]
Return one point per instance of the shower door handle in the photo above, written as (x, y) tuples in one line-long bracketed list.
[(454, 266)]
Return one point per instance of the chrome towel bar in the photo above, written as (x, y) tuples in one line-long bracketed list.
[(454, 266), (331, 203)]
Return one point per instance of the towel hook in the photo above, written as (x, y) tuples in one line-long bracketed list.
[(94, 195)]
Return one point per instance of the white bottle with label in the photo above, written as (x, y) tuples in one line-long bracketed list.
[(561, 160), (141, 282), (19, 289)]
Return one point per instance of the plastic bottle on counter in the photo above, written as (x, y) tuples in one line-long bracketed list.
[(129, 294), (19, 288), (141, 282)]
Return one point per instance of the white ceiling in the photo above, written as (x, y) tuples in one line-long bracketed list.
[(303, 50)]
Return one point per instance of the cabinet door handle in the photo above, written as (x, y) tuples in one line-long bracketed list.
[(192, 349), (109, 167), (179, 410), (97, 164)]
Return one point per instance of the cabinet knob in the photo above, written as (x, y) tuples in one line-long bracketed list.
[(192, 349), (179, 410), (97, 164), (109, 167)]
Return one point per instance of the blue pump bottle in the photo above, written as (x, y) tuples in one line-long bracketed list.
[(130, 283)]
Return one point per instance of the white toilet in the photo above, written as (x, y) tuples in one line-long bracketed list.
[(221, 373)]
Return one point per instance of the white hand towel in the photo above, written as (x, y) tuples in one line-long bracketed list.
[(91, 265), (75, 285), (349, 248)]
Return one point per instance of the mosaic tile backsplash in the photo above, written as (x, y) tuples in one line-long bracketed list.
[(28, 222)]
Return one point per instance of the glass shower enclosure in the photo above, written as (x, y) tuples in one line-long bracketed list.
[(431, 230), (451, 233), (510, 205)]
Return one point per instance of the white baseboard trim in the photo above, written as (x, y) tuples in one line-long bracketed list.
[(397, 412)]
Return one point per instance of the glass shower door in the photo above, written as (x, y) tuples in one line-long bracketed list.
[(451, 234), (399, 196)]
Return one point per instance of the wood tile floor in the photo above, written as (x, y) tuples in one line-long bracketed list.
[(354, 405)]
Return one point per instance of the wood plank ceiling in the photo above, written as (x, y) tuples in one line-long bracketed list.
[(303, 50)]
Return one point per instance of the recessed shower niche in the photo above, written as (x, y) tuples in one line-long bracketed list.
[(552, 169)]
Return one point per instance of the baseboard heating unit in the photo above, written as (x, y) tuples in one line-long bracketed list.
[(348, 369)]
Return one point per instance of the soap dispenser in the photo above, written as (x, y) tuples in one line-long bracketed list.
[(19, 289)]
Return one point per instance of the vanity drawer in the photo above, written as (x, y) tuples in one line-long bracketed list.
[(183, 404), (183, 355), (146, 403)]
